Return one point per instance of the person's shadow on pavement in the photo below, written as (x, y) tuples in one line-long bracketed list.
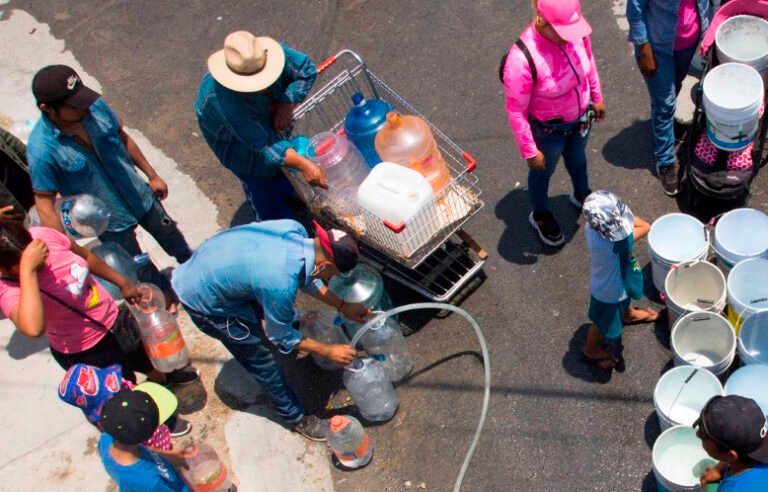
[(519, 242), (632, 147), (21, 346), (574, 364)]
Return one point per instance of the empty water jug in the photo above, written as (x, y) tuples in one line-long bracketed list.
[(120, 261), (363, 122), (340, 160), (150, 301), (384, 341), (370, 388), (394, 193), (324, 327), (349, 442), (408, 141), (83, 215), (163, 341), (205, 472), (361, 285)]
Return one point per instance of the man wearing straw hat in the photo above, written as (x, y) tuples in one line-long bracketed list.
[(246, 100)]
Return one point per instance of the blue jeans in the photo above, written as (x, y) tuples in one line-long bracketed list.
[(663, 89), (553, 145), (248, 344), (268, 196), (166, 232)]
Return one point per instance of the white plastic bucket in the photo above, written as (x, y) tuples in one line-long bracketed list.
[(744, 39), (747, 290), (694, 286), (705, 340), (753, 339), (675, 238), (750, 382), (681, 394), (733, 95), (679, 460), (740, 235)]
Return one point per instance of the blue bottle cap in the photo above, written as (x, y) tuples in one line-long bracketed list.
[(141, 260), (358, 99)]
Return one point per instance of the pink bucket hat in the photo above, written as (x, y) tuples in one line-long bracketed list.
[(565, 17)]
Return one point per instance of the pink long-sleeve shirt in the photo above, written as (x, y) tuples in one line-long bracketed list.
[(566, 81)]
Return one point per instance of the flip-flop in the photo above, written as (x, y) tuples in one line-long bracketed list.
[(650, 317), (596, 362)]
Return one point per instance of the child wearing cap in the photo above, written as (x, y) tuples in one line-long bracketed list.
[(129, 418), (734, 431), (615, 277)]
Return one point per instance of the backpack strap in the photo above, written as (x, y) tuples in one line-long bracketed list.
[(524, 49)]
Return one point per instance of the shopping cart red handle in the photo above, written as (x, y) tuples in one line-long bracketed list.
[(396, 228), (471, 162), (327, 63)]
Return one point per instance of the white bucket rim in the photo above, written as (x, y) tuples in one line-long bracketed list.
[(710, 78), (732, 20), (723, 250), (732, 345), (744, 307), (673, 261), (718, 304), (745, 328), (657, 449), (668, 375)]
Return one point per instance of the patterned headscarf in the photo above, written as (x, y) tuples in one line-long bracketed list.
[(88, 388), (608, 215)]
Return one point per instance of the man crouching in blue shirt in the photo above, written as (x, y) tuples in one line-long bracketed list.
[(251, 273)]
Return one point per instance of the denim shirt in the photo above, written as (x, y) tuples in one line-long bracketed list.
[(266, 262), (58, 164), (238, 125), (655, 21)]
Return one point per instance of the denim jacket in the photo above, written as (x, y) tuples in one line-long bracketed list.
[(656, 21)]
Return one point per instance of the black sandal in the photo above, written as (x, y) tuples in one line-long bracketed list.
[(596, 362)]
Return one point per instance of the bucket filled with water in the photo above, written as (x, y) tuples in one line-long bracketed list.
[(681, 394), (679, 460), (694, 286), (741, 234), (675, 238), (753, 339), (703, 340), (747, 290), (744, 39), (750, 382), (733, 96)]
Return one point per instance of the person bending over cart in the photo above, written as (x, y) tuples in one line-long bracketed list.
[(249, 275), (246, 100)]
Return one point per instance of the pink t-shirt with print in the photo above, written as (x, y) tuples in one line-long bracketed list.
[(688, 26), (66, 276)]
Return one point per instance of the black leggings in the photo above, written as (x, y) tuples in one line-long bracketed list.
[(104, 354)]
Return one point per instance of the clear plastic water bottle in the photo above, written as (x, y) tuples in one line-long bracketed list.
[(33, 218), (370, 388), (163, 341), (363, 122), (340, 160), (120, 261), (22, 129), (362, 285), (385, 342), (349, 442), (152, 300), (205, 472), (83, 215), (324, 327)]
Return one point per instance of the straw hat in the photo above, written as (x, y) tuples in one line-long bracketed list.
[(247, 63)]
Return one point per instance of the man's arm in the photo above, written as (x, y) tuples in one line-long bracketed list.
[(353, 311), (156, 184), (45, 203)]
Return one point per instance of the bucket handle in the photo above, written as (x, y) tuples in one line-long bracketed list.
[(685, 383)]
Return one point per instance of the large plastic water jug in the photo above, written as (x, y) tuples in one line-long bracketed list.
[(163, 341), (408, 141), (325, 327), (120, 261), (151, 300), (340, 160), (205, 472), (370, 388), (363, 122), (384, 341), (349, 442), (361, 285), (394, 193), (83, 215)]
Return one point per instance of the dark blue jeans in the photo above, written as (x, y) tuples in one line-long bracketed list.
[(663, 89), (166, 232), (553, 145), (248, 345), (268, 197)]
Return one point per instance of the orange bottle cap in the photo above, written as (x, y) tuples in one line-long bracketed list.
[(394, 119), (338, 422)]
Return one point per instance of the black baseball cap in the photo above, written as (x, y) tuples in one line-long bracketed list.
[(339, 247), (131, 417), (736, 423), (60, 84)]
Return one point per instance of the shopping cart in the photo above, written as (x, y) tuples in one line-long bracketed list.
[(429, 253)]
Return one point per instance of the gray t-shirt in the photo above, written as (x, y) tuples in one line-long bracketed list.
[(605, 283)]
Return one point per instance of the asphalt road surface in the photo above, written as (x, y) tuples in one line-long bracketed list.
[(554, 424)]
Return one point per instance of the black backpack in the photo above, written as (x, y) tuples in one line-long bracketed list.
[(522, 47)]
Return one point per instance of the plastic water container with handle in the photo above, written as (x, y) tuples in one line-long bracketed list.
[(363, 122), (340, 160), (370, 388), (163, 341), (407, 140), (385, 342), (325, 327), (83, 215), (120, 261), (362, 285), (394, 193)]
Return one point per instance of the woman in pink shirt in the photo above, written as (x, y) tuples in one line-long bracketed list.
[(553, 94), (47, 283)]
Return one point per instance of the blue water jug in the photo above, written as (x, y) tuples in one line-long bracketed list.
[(363, 121)]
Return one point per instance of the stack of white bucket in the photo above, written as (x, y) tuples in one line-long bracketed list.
[(704, 339)]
